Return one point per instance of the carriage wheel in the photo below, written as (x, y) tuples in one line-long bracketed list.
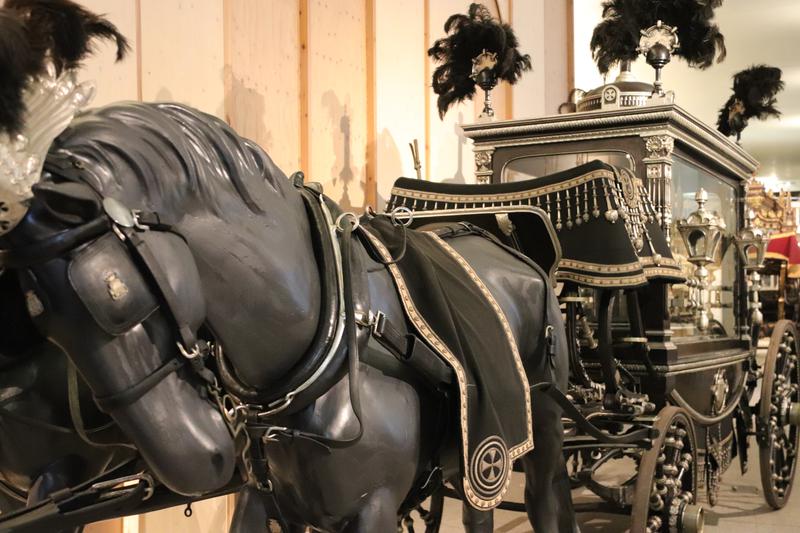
[(666, 486), (779, 415)]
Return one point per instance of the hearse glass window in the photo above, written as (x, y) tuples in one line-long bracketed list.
[(525, 168), (686, 180)]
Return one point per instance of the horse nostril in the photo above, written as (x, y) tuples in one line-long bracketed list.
[(218, 461)]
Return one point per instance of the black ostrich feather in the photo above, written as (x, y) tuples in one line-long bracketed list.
[(17, 63), (616, 37), (754, 95), (467, 36), (33, 32)]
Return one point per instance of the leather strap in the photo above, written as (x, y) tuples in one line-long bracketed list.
[(412, 351), (142, 250), (192, 350), (351, 333), (74, 400), (127, 396), (262, 474), (54, 246)]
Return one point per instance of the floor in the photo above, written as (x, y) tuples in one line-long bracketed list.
[(741, 510)]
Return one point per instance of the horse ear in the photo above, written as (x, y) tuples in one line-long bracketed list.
[(71, 202)]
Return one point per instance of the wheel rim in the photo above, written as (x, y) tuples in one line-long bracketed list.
[(780, 401), (666, 486)]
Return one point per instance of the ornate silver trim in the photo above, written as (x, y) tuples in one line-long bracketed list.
[(483, 165), (735, 356), (604, 124)]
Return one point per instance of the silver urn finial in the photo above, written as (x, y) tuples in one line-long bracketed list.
[(484, 75), (657, 44)]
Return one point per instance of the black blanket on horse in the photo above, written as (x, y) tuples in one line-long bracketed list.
[(453, 311)]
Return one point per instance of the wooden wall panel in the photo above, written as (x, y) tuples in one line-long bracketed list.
[(558, 72), (183, 53), (106, 526), (400, 89), (337, 90), (115, 81), (529, 92), (208, 516), (263, 75)]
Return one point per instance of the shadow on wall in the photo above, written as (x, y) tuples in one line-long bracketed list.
[(458, 176), (342, 170), (390, 168), (164, 95), (248, 112)]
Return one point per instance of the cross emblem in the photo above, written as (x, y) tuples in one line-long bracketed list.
[(491, 465)]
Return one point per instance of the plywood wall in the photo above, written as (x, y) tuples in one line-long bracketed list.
[(336, 88), (337, 94), (262, 67), (182, 53)]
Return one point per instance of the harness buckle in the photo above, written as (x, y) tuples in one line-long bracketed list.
[(126, 483), (551, 343), (401, 212), (137, 220), (347, 215), (193, 354), (376, 322), (379, 324), (272, 434), (277, 406)]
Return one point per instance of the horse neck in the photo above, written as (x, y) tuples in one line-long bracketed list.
[(261, 284)]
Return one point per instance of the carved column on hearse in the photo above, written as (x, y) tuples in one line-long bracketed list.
[(658, 169), (483, 164)]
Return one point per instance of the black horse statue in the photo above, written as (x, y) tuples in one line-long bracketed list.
[(148, 227)]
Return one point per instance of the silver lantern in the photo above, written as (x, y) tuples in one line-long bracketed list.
[(702, 233), (752, 245)]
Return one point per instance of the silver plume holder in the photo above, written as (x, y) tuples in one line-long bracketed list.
[(484, 75)]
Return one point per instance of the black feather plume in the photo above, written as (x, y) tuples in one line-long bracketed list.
[(467, 36), (754, 95), (35, 31), (616, 37), (17, 63)]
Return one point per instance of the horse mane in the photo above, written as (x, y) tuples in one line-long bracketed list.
[(171, 159)]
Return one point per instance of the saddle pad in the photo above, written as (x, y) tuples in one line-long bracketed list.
[(453, 311), (609, 231)]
